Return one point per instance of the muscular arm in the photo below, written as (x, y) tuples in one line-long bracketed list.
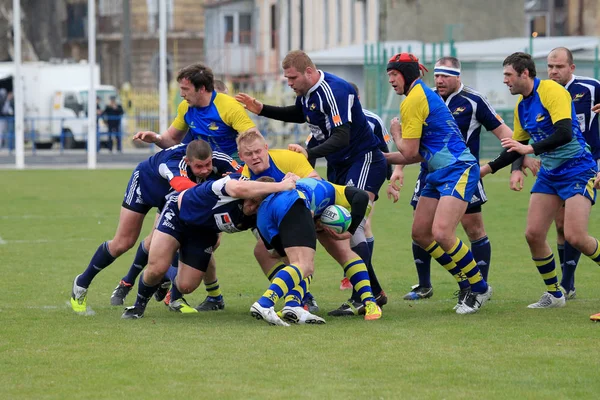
[(170, 137), (285, 114), (340, 138)]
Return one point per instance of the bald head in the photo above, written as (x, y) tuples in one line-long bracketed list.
[(560, 65)]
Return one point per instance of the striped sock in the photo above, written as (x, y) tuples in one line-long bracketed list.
[(284, 281), (436, 251), (356, 272), (295, 296), (213, 289), (547, 270), (464, 260)]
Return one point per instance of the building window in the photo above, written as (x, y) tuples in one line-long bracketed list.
[(245, 22), (229, 38)]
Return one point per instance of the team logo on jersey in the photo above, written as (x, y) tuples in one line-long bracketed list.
[(350, 183), (540, 117), (578, 96), (167, 219), (192, 125), (577, 186), (459, 110), (313, 107), (213, 126)]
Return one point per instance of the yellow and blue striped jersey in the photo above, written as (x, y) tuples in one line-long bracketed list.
[(218, 123), (425, 116), (535, 116), (280, 163)]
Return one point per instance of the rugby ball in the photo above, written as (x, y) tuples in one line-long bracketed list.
[(337, 218)]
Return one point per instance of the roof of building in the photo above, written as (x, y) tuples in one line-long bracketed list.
[(583, 48)]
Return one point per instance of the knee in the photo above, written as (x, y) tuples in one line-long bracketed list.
[(474, 232), (576, 238), (120, 245), (445, 237), (534, 237), (185, 287)]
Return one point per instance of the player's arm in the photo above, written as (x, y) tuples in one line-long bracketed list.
[(339, 139), (359, 206), (173, 135), (505, 157), (286, 114), (414, 113), (243, 189)]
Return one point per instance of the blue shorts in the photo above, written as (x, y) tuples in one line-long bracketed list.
[(368, 172), (460, 180), (145, 190), (582, 183), (196, 244), (271, 212), (477, 200)]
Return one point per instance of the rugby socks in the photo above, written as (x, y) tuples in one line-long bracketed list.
[(274, 270), (482, 253), (423, 263), (464, 260), (171, 275), (139, 262), (571, 260), (213, 289), (101, 259), (144, 293), (596, 255), (547, 270), (356, 272), (362, 250), (295, 296), (436, 251), (284, 281), (560, 249)]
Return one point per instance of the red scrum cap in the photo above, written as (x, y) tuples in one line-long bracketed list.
[(408, 65)]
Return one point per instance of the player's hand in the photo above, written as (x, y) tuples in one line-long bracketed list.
[(597, 181), (147, 137), (397, 178), (516, 180), (596, 108), (249, 102), (298, 149), (392, 194), (532, 164), (484, 170), (287, 184), (512, 145), (333, 234), (292, 176), (396, 130)]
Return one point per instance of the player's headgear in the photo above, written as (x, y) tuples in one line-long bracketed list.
[(408, 65)]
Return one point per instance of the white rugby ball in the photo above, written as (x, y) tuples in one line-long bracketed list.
[(337, 218)]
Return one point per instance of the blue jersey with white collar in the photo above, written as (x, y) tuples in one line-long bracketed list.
[(471, 111), (330, 103), (585, 93)]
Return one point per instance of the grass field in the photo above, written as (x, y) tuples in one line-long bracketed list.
[(51, 222)]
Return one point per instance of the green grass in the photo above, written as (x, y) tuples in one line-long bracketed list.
[(51, 222)]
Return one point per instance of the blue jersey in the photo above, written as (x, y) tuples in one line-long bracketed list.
[(333, 102), (218, 123), (425, 116), (471, 111), (535, 117), (208, 206), (316, 195), (585, 93)]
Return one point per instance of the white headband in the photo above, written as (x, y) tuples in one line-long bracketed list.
[(450, 71)]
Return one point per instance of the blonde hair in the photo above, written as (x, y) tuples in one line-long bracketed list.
[(249, 136), (299, 60)]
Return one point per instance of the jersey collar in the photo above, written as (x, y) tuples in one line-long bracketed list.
[(569, 83), (461, 87), (316, 85)]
